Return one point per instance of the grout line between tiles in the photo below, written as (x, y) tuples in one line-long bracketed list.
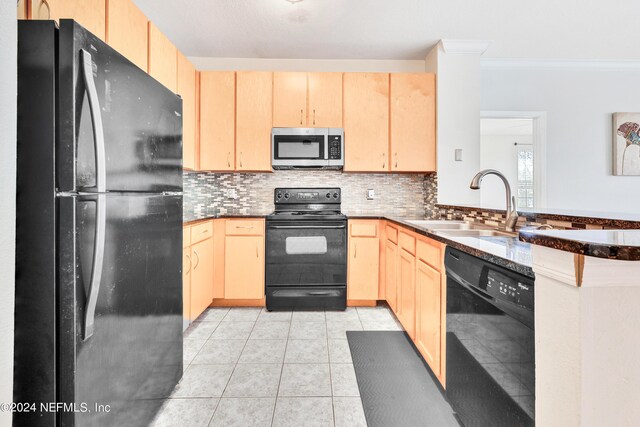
[(286, 345)]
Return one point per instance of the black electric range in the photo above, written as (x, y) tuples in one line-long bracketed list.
[(306, 250)]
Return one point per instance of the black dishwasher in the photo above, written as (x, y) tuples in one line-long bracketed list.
[(490, 354)]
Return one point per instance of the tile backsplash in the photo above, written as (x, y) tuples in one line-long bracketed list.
[(208, 194)]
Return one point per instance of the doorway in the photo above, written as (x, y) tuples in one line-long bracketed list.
[(513, 143)]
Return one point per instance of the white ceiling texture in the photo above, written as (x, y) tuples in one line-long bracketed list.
[(399, 29)]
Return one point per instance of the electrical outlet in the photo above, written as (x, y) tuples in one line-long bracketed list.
[(371, 194), (458, 154)]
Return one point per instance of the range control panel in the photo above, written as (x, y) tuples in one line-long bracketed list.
[(307, 195), (509, 289)]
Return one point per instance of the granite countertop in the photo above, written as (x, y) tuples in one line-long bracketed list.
[(611, 244), (507, 252)]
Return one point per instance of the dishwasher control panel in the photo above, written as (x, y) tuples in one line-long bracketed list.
[(505, 288)]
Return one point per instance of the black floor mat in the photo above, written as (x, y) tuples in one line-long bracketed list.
[(396, 388)]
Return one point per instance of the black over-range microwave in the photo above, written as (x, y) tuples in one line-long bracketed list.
[(307, 148)]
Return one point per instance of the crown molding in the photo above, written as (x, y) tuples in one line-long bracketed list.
[(554, 64), (477, 47)]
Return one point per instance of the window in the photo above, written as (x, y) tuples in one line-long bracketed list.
[(524, 197)]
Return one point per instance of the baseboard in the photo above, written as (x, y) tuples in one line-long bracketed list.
[(361, 303), (220, 302)]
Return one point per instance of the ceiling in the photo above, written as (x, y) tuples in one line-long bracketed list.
[(398, 29), (506, 126)]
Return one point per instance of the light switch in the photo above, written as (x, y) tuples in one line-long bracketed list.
[(458, 154), (371, 194)]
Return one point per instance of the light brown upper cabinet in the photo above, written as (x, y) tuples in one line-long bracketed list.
[(289, 99), (88, 13), (366, 122), (325, 100), (254, 118), (187, 90), (127, 31), (22, 9), (217, 120), (413, 126), (307, 99), (163, 58)]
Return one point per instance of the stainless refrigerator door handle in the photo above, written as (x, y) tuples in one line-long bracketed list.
[(96, 120), (96, 267), (303, 227)]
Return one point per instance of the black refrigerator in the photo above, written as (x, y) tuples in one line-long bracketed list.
[(98, 312)]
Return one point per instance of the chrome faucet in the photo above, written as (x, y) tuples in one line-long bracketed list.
[(512, 214)]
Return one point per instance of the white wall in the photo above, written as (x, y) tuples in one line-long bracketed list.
[(320, 65), (579, 101), (499, 152), (8, 107), (458, 123)]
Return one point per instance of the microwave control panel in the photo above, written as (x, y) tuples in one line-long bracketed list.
[(335, 147)]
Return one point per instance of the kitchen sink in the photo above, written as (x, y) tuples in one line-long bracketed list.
[(475, 233), (460, 228), (443, 224)]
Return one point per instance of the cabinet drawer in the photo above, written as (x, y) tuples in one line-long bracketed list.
[(392, 234), (244, 227), (407, 242), (186, 236), (202, 231), (429, 252), (364, 229)]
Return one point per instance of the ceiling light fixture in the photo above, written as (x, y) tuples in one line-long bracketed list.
[(294, 1)]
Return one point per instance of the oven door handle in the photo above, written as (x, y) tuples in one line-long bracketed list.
[(306, 227)]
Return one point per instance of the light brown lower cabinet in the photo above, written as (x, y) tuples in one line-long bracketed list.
[(244, 259), (407, 297), (391, 273), (363, 261), (201, 277), (197, 269), (416, 291), (428, 314)]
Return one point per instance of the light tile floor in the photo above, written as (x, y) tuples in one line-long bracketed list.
[(249, 367)]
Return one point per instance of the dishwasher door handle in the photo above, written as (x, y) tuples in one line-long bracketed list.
[(477, 291)]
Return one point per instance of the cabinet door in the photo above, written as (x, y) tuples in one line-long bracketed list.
[(217, 120), (22, 9), (186, 285), (391, 273), (366, 122), (201, 277), (325, 100), (244, 267), (254, 118), (428, 315), (88, 13), (127, 31), (413, 122), (363, 265), (187, 90), (163, 58), (407, 300), (289, 99)]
